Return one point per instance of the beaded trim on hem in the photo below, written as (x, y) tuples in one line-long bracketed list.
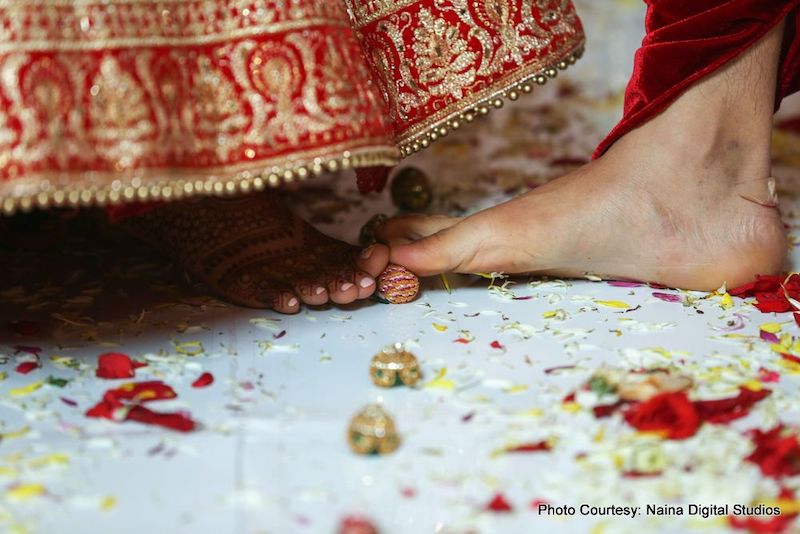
[(522, 84), (291, 169), (240, 180)]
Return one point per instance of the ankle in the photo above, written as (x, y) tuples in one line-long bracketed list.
[(713, 157)]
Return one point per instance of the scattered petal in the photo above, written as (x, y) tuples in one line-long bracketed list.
[(204, 380), (499, 504)]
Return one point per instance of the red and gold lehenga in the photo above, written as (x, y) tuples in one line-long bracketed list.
[(107, 102)]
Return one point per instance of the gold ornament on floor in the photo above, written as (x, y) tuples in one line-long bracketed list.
[(411, 190), (367, 235), (397, 285), (394, 365), (372, 431)]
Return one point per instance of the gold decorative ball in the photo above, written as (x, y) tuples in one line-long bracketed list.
[(411, 190), (367, 235), (372, 431), (394, 365), (397, 285)]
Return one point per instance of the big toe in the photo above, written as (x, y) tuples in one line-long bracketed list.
[(404, 229), (373, 259), (453, 249)]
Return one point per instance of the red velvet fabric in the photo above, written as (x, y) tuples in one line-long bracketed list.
[(689, 39)]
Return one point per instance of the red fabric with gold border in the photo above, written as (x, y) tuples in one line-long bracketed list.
[(135, 101)]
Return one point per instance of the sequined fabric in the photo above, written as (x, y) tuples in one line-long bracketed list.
[(135, 100)]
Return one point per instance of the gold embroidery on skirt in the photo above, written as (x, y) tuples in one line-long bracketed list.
[(142, 99), (119, 115)]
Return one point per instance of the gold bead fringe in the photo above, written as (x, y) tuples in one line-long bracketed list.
[(251, 181)]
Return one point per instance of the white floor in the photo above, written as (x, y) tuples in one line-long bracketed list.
[(271, 455)]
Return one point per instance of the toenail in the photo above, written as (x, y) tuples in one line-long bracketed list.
[(346, 286), (367, 252), (366, 282), (319, 291), (292, 302)]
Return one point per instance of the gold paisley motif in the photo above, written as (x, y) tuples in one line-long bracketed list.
[(445, 64), (219, 117), (119, 115)]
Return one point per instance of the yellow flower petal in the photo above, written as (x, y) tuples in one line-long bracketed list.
[(440, 382), (772, 328), (446, 283), (440, 327), (726, 302), (533, 412), (16, 433), (613, 304), (753, 385), (26, 390), (793, 368), (56, 458), (8, 471), (189, 348), (108, 503), (25, 492)]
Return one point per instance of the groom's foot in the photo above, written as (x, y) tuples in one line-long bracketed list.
[(254, 252), (684, 200)]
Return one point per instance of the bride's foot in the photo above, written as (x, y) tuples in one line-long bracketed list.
[(254, 252), (685, 200)]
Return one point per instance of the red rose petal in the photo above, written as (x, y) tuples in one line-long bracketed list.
[(762, 284), (669, 413), (114, 365), (726, 410), (26, 367), (531, 447), (790, 357), (125, 401), (640, 474), (175, 421), (356, 525), (606, 410), (772, 303), (496, 345), (499, 504), (206, 379), (776, 452)]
